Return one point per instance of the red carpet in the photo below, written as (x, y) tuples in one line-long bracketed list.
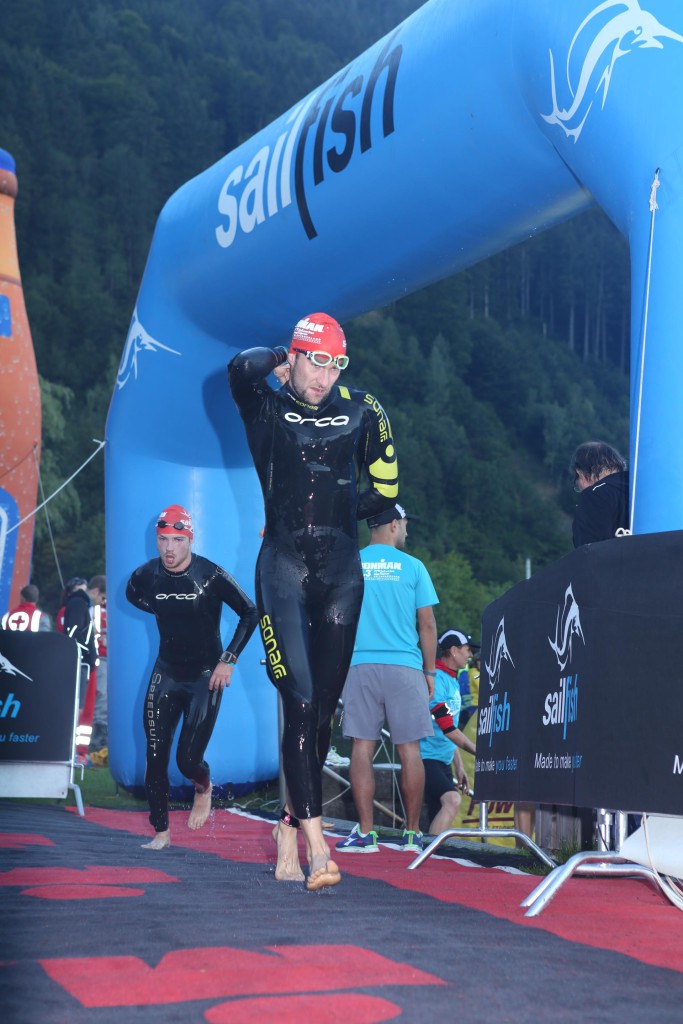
[(97, 929), (624, 915)]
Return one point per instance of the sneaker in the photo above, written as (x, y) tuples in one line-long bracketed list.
[(335, 760), (411, 842), (358, 843)]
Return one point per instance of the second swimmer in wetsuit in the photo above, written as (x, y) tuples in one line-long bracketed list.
[(310, 441), (186, 593)]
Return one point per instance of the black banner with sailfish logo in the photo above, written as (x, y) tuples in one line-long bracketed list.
[(580, 694)]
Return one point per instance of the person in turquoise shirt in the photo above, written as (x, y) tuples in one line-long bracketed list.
[(439, 751), (391, 676)]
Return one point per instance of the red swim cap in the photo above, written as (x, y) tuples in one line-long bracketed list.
[(318, 332), (175, 520)]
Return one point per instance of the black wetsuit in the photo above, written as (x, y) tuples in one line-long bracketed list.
[(309, 581), (188, 609)]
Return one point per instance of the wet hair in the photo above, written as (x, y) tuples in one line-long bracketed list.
[(30, 593), (594, 459), (98, 583)]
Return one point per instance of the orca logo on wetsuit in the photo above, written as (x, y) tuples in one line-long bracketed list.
[(178, 597), (326, 421)]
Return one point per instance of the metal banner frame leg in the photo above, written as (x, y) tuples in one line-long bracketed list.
[(483, 832), (589, 862), (73, 785), (600, 863)]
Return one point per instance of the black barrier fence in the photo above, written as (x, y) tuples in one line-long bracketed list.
[(39, 674), (581, 691)]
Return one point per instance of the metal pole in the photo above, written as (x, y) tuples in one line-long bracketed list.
[(620, 829), (604, 823)]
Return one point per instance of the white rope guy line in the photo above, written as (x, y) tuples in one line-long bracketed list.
[(47, 516), (653, 209), (100, 446)]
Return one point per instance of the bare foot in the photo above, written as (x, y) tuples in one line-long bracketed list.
[(323, 872), (161, 841), (201, 808), (288, 868)]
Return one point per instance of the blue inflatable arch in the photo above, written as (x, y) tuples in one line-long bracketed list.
[(463, 131)]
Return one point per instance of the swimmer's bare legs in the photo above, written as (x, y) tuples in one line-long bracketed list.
[(288, 868), (201, 808), (161, 841)]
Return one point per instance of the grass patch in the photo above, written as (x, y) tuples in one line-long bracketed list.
[(100, 789)]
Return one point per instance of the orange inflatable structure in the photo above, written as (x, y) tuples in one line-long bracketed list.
[(20, 413)]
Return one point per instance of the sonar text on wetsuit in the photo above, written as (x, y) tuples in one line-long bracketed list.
[(187, 606), (309, 582)]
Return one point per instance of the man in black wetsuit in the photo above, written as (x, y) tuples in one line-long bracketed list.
[(186, 593), (309, 441)]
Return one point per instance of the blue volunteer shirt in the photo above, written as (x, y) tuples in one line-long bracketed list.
[(446, 690), (396, 585)]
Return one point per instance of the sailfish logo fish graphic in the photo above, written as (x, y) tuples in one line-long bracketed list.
[(138, 341), (10, 669), (499, 652), (567, 627), (628, 28)]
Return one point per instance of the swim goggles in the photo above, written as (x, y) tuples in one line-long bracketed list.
[(325, 359), (163, 525)]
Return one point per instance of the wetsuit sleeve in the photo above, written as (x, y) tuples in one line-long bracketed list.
[(231, 593), (247, 373), (378, 458), (135, 592)]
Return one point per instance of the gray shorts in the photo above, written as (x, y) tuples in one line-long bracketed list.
[(373, 693)]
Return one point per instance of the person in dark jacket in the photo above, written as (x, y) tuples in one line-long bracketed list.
[(78, 623), (601, 478)]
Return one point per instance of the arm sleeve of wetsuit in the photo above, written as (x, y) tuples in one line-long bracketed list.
[(378, 458), (247, 373), (232, 594), (134, 592)]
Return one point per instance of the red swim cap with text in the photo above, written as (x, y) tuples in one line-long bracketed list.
[(318, 332), (175, 520)]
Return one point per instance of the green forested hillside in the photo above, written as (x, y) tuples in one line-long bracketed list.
[(490, 378)]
